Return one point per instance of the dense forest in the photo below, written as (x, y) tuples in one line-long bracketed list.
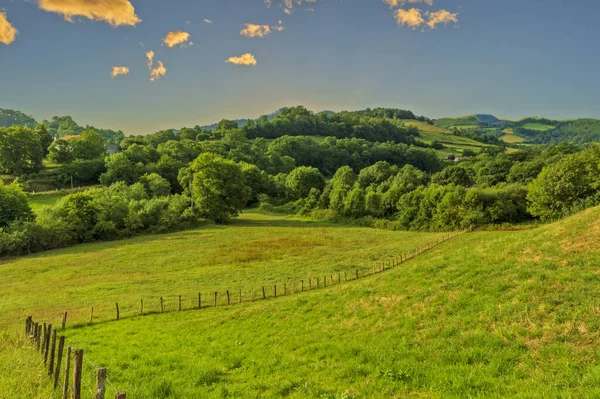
[(360, 167)]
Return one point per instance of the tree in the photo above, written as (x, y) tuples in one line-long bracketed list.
[(301, 180), (20, 150), (120, 168), (156, 185), (45, 137), (218, 186), (453, 174), (13, 204), (225, 125), (567, 186), (89, 145)]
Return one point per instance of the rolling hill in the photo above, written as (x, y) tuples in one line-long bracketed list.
[(486, 314)]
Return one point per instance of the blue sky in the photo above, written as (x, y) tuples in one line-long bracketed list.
[(512, 58)]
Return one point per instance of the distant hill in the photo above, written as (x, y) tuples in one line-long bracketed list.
[(242, 122), (546, 131)]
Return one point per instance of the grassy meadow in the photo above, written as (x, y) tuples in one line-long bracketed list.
[(538, 126), (453, 144), (487, 314)]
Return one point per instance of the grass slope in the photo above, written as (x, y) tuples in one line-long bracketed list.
[(488, 314), (255, 250)]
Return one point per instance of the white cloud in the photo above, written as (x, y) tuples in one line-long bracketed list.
[(244, 59), (279, 27), (415, 18), (8, 33), (178, 37), (114, 12), (398, 3), (208, 21), (119, 70), (253, 30)]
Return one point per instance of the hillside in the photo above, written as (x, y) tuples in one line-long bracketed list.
[(453, 144), (487, 314), (242, 122)]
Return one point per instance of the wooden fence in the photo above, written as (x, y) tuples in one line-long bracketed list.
[(44, 337), (51, 346)]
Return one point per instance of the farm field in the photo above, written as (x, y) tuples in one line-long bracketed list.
[(454, 144), (255, 250), (487, 314)]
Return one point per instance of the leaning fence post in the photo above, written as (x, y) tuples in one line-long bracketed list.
[(77, 370), (61, 346), (118, 316), (67, 371), (215, 299), (100, 383), (180, 303), (47, 348), (52, 353), (38, 333), (64, 322)]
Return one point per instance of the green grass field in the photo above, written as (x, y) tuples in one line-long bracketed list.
[(487, 314), (454, 144), (538, 126)]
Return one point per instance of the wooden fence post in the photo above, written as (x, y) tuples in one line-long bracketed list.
[(47, 348), (325, 281), (240, 295), (302, 285), (120, 395), (38, 332), (317, 282), (199, 300), (27, 325), (67, 371), (215, 299), (284, 289), (310, 284), (162, 308), (118, 316), (77, 370), (180, 303), (92, 315), (141, 306), (264, 296), (43, 339), (345, 276), (59, 355), (64, 321), (228, 300), (52, 354), (100, 383), (357, 274), (339, 278), (275, 290)]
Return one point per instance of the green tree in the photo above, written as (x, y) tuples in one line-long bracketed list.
[(156, 185), (567, 186), (225, 125), (45, 137), (301, 180), (120, 168), (219, 188), (20, 150), (13, 204)]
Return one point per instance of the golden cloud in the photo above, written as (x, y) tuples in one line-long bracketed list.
[(8, 33), (177, 37), (119, 70), (398, 3), (279, 27), (412, 18), (158, 72), (114, 12), (441, 17), (253, 30), (244, 59)]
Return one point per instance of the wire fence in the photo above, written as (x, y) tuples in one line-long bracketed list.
[(90, 378)]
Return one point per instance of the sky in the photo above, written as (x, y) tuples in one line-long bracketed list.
[(145, 65)]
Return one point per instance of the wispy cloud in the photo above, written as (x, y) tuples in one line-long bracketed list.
[(114, 12), (119, 70), (279, 27), (253, 30), (206, 20), (155, 72), (398, 3), (177, 37), (244, 59), (8, 33), (288, 5)]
